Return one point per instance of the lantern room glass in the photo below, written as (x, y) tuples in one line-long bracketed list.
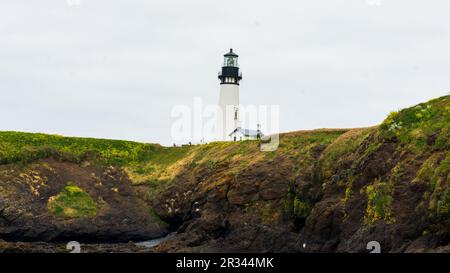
[(231, 61)]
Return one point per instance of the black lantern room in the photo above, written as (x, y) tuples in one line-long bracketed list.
[(230, 70)]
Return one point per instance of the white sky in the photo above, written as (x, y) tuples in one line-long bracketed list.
[(116, 68)]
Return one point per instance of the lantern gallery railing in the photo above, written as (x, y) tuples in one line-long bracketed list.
[(220, 74)]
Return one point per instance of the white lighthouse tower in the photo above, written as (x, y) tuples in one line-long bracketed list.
[(228, 116)]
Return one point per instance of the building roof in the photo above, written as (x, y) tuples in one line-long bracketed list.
[(248, 132), (231, 54)]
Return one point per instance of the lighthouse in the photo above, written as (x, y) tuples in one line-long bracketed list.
[(228, 116)]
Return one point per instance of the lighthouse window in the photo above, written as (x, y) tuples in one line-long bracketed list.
[(231, 61)]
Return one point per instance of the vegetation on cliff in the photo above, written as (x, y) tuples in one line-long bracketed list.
[(144, 162), (330, 187), (424, 130), (379, 200), (72, 202)]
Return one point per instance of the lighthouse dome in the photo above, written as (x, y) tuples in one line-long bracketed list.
[(231, 54)]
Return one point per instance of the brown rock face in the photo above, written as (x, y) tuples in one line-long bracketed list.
[(242, 193), (272, 191), (301, 204), (25, 190)]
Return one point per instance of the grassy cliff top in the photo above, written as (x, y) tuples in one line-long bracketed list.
[(417, 126), (414, 127)]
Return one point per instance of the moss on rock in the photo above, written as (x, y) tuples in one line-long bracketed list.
[(72, 202), (379, 200)]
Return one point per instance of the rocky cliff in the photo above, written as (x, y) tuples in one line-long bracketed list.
[(320, 191)]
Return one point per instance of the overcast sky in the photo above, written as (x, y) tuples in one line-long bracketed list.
[(116, 68)]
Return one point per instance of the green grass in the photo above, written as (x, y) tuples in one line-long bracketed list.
[(301, 209), (18, 146), (139, 158), (439, 194), (301, 146), (72, 202), (343, 147), (294, 207), (421, 128), (379, 200)]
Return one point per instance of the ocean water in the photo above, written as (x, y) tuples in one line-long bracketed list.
[(156, 241)]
